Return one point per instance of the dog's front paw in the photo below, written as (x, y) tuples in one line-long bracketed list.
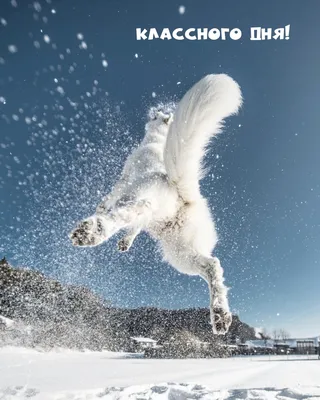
[(88, 233), (123, 245), (220, 320)]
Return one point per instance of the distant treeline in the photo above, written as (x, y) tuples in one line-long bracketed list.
[(48, 314)]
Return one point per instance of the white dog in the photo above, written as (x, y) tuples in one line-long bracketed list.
[(159, 192)]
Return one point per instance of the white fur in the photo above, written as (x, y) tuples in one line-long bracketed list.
[(198, 118), (159, 191)]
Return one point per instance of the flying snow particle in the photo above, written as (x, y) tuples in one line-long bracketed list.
[(37, 6), (46, 38), (80, 36), (2, 60), (83, 45), (278, 314), (14, 3), (12, 48), (182, 10), (28, 120), (178, 83), (55, 80), (15, 117), (36, 44), (3, 22), (60, 90), (53, 11), (105, 63), (239, 125), (154, 94), (217, 156), (16, 159), (136, 55), (2, 100)]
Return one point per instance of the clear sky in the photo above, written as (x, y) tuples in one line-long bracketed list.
[(75, 86)]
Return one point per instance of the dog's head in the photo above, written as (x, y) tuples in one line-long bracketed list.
[(160, 117)]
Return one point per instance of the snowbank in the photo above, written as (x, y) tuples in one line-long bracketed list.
[(62, 375), (165, 391)]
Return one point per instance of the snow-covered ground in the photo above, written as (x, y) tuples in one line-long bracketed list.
[(63, 375)]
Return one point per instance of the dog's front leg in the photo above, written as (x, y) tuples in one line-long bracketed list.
[(125, 243), (104, 205), (101, 226), (95, 230)]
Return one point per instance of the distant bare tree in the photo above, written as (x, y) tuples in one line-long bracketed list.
[(284, 335), (276, 335)]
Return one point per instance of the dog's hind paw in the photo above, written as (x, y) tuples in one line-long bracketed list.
[(220, 320)]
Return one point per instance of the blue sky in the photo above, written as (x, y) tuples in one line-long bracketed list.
[(74, 97)]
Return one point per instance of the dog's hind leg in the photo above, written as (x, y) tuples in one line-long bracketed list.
[(190, 262), (212, 272)]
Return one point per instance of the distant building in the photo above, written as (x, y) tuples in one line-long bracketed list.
[(282, 348), (140, 344), (307, 346), (288, 346)]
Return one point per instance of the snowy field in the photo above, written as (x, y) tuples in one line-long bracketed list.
[(63, 375)]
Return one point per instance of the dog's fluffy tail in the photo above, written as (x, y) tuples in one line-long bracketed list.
[(199, 117)]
